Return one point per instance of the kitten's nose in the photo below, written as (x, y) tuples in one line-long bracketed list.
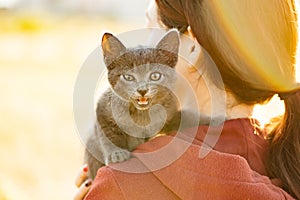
[(142, 92)]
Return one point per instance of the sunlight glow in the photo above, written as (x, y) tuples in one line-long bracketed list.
[(253, 46), (298, 52), (264, 113)]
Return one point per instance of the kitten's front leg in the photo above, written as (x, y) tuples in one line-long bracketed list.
[(113, 146), (119, 155)]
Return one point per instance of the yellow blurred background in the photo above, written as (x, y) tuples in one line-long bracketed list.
[(42, 47)]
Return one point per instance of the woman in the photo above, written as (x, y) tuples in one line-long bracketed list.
[(253, 44), (253, 71)]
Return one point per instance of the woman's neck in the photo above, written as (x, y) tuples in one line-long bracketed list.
[(215, 100), (235, 109), (222, 101)]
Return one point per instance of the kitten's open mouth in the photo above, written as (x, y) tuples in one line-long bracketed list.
[(143, 103)]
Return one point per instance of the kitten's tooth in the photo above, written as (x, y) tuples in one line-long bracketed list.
[(143, 101)]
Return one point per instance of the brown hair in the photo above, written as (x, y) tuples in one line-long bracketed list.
[(253, 75)]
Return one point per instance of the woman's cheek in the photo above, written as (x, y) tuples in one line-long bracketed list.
[(152, 16)]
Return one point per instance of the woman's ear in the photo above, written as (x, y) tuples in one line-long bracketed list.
[(190, 32)]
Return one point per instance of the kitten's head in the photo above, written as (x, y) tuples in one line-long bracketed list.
[(140, 75)]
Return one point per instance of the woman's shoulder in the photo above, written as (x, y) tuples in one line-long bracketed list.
[(170, 167), (218, 175)]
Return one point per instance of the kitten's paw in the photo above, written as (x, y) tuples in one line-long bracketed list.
[(120, 156)]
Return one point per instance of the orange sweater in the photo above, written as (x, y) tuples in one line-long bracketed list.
[(169, 167)]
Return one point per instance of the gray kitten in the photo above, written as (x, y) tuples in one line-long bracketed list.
[(130, 111)]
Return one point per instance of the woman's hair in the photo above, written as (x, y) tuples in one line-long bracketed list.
[(254, 45)]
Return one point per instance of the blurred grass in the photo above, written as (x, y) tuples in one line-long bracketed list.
[(40, 55)]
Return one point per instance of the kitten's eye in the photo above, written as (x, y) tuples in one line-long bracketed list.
[(155, 76), (128, 77)]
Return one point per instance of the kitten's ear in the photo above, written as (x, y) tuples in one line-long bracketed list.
[(111, 47), (170, 42)]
